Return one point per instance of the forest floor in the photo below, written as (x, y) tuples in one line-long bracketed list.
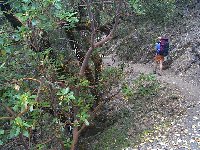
[(185, 132)]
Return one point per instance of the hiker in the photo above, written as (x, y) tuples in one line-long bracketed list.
[(162, 48)]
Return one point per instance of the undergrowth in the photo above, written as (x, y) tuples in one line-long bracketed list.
[(148, 107)]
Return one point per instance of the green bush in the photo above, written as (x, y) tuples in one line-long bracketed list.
[(143, 87), (155, 10), (160, 11)]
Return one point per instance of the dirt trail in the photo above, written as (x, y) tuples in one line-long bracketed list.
[(189, 90), (184, 134)]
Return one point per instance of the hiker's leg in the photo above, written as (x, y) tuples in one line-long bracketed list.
[(155, 66), (161, 65)]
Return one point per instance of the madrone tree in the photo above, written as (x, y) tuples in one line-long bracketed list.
[(52, 91)]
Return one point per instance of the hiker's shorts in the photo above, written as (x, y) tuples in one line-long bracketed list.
[(159, 58)]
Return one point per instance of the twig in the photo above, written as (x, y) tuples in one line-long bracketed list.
[(8, 109), (23, 141), (104, 2), (23, 112), (33, 79), (6, 118)]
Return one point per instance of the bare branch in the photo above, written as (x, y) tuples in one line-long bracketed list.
[(92, 23), (104, 2), (23, 112), (6, 118), (23, 141), (13, 116), (8, 109), (86, 59), (117, 14), (33, 79)]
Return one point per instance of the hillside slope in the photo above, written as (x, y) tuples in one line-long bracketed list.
[(183, 132), (184, 73)]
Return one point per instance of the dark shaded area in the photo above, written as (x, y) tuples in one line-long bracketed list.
[(15, 23), (6, 8)]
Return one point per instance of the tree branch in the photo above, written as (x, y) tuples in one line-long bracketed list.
[(100, 43), (6, 118), (23, 141), (8, 109), (93, 113)]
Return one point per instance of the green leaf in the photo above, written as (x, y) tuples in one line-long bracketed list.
[(15, 108), (71, 97), (2, 65), (87, 122), (33, 96), (1, 142), (43, 17), (58, 5), (17, 131), (1, 41), (8, 49), (18, 121), (65, 91), (1, 131), (26, 124), (14, 131), (25, 1), (34, 22), (45, 104), (55, 120), (25, 133), (16, 37), (31, 108)]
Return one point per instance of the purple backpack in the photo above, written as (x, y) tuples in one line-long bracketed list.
[(164, 46)]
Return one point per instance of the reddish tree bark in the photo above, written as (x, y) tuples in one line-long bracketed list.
[(100, 43), (76, 131)]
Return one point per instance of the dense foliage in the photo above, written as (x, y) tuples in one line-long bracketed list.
[(40, 82)]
